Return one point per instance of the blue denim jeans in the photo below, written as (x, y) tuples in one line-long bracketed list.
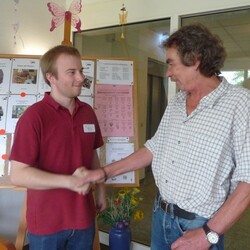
[(166, 228), (63, 240)]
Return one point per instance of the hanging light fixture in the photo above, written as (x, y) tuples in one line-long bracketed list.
[(123, 19)]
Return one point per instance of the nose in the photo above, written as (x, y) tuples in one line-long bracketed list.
[(83, 76), (168, 72), (80, 76)]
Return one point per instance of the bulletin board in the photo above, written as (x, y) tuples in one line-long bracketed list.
[(109, 87)]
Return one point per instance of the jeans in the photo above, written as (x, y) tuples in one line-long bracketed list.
[(166, 228), (63, 240)]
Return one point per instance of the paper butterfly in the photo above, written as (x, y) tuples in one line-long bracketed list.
[(59, 14)]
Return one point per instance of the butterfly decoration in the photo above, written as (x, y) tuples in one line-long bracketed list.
[(60, 15)]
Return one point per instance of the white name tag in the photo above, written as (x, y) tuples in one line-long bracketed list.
[(88, 128)]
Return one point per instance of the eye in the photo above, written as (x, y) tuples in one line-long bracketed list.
[(81, 72)]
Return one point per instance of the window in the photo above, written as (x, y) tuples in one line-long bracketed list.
[(233, 27)]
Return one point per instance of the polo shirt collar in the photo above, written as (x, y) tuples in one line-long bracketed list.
[(49, 100)]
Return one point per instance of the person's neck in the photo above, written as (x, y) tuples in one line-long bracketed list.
[(66, 102), (203, 88)]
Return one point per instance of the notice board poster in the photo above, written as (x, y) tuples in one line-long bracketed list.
[(114, 109)]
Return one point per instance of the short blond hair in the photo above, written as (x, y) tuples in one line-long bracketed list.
[(48, 60)]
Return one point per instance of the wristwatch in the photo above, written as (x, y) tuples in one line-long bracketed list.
[(212, 236)]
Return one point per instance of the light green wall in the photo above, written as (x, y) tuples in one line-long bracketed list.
[(103, 12), (34, 37)]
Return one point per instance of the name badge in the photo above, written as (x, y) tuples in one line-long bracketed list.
[(88, 128)]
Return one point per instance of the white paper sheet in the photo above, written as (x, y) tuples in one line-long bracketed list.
[(114, 72), (16, 106), (24, 76), (88, 71), (3, 112), (5, 70), (116, 152), (3, 141)]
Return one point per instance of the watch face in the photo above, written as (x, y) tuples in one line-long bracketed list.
[(213, 237)]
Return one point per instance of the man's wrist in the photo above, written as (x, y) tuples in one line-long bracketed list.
[(105, 173), (212, 236)]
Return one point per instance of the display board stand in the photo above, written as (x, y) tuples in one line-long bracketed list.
[(109, 87), (21, 233)]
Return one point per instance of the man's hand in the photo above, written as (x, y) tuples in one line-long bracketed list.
[(192, 240), (100, 197), (78, 183), (95, 176)]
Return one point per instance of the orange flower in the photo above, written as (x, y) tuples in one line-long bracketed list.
[(117, 201)]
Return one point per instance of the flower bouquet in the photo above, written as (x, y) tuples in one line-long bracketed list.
[(122, 207)]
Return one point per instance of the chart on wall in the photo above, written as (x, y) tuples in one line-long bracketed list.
[(114, 109)]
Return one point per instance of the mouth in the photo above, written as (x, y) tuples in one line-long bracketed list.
[(77, 85)]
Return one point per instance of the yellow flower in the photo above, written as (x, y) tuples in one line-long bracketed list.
[(127, 190), (138, 215), (134, 201), (121, 193), (136, 190)]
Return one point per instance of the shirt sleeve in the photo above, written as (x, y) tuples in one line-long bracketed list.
[(241, 143), (25, 146)]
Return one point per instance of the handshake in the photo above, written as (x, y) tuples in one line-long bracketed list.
[(82, 179)]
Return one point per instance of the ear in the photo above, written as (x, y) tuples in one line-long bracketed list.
[(197, 64), (50, 77)]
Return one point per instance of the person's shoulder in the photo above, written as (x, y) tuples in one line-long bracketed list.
[(34, 110), (36, 106), (180, 96), (238, 91), (238, 97), (84, 105)]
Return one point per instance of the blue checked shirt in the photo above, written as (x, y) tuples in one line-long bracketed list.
[(198, 159)]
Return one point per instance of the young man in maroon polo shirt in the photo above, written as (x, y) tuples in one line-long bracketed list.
[(54, 139)]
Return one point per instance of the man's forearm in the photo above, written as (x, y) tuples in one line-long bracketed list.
[(236, 204), (140, 159), (26, 176)]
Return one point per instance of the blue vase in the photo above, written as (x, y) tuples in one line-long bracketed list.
[(120, 238)]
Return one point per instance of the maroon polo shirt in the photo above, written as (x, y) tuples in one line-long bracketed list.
[(48, 137)]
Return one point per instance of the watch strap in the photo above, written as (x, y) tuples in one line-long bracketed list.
[(206, 229)]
